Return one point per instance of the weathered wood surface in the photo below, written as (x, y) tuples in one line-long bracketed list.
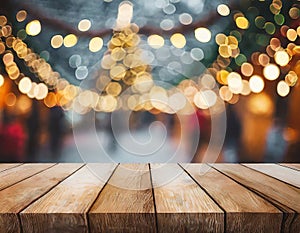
[(283, 196), (6, 166), (292, 165), (181, 205), (244, 209), (149, 198), (285, 174), (130, 207)]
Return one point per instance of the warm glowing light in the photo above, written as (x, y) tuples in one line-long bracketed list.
[(95, 44), (235, 83), (50, 100), (70, 40), (205, 99), (124, 14), (246, 88), (247, 69), (242, 22), (223, 10), (33, 28), (178, 40), (256, 84), (113, 88), (25, 85), (156, 41), (10, 99), (57, 41), (282, 58), (225, 93), (84, 25), (291, 34), (220, 38), (291, 78), (3, 20), (225, 51), (21, 15), (203, 34), (40, 91), (283, 89), (1, 80), (271, 72)]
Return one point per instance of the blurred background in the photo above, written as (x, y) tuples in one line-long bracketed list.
[(67, 66)]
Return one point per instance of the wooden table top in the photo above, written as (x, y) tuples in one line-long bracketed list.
[(79, 198)]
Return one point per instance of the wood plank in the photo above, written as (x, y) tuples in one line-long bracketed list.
[(245, 211), (126, 202), (20, 195), (16, 174), (283, 196), (285, 174), (181, 205), (292, 165), (64, 208), (6, 166)]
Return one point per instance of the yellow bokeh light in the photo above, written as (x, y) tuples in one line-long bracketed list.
[(220, 38), (282, 58), (271, 72), (25, 85), (1, 80), (291, 34), (156, 41), (57, 41), (95, 44), (84, 25), (283, 89), (70, 40), (33, 28), (256, 84), (242, 22), (203, 34), (225, 51), (223, 10), (178, 40)]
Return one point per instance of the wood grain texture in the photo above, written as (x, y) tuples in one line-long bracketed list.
[(64, 208), (126, 202), (292, 165), (18, 196), (285, 197), (181, 205), (245, 211), (6, 166), (16, 174), (285, 174)]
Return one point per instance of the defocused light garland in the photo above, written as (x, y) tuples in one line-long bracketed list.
[(123, 52)]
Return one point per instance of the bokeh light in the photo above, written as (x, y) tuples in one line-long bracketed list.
[(223, 10), (271, 72), (84, 25), (256, 84), (33, 28), (70, 40), (203, 34), (95, 44)]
